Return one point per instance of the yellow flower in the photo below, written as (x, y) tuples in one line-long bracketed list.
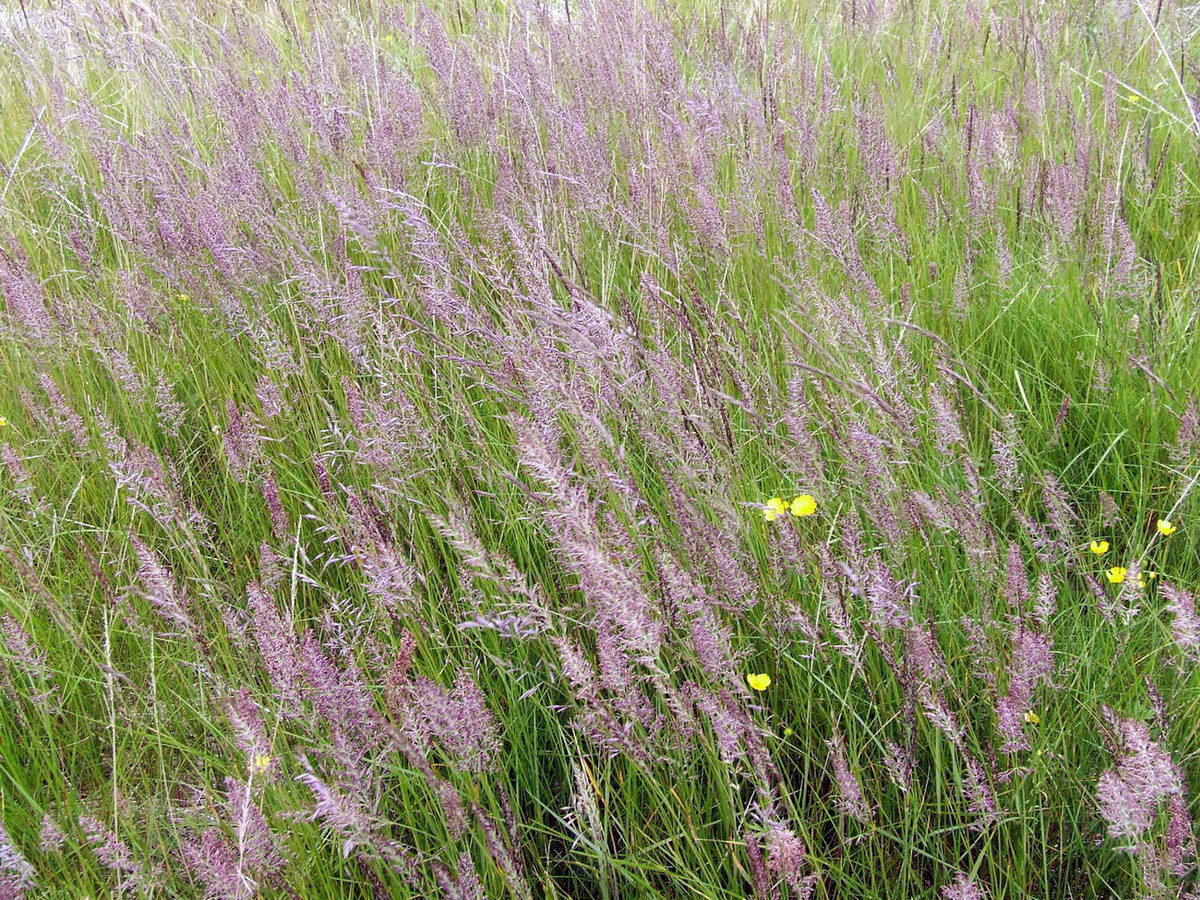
[(259, 763), (3, 422), (804, 505), (1166, 527), (759, 682), (1116, 574), (1144, 578), (774, 508), (1134, 98), (1032, 718), (1099, 547)]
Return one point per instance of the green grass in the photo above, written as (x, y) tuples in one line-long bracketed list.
[(655, 364)]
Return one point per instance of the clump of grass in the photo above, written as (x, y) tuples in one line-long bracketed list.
[(598, 450)]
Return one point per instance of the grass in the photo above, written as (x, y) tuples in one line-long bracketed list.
[(478, 336)]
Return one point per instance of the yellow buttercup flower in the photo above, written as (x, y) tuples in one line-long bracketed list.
[(3, 422), (759, 682), (1134, 98), (804, 505), (774, 508), (259, 763), (1166, 527), (1032, 718), (1099, 547), (1116, 574)]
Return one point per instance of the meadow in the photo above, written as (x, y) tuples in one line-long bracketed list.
[(599, 449)]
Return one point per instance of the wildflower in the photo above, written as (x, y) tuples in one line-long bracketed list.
[(3, 422), (787, 732), (774, 508), (759, 682), (1144, 578), (1116, 574), (1099, 547), (1166, 527), (1032, 718), (260, 763), (804, 505), (1134, 98)]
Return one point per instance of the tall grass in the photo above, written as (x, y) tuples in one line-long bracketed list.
[(403, 409)]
